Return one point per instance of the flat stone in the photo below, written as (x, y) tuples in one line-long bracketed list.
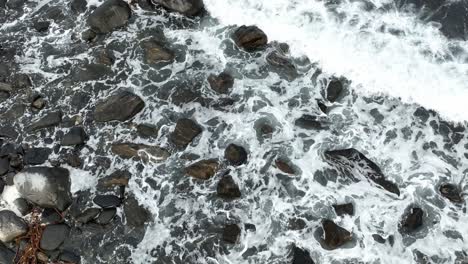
[(110, 15), (227, 188), (11, 226), (235, 155), (335, 236), (106, 216), (54, 236), (88, 215), (111, 108), (140, 152), (231, 233), (76, 136), (36, 156), (344, 209), (49, 120), (203, 170), (185, 131), (107, 201)]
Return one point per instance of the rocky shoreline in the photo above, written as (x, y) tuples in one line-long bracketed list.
[(82, 105)]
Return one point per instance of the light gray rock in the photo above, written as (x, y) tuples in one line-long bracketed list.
[(11, 226)]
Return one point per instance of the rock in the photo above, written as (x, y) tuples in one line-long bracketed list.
[(335, 236), (447, 190), (284, 166), (15, 4), (69, 257), (140, 152), (76, 136), (378, 238), (221, 83), (41, 26), (282, 65), (110, 15), (54, 236), (308, 122), (135, 214), (322, 106), (301, 256), (88, 215), (73, 159), (8, 131), (412, 220), (88, 35), (185, 131), (4, 166), (111, 108), (185, 7), (51, 216), (344, 209), (7, 256), (36, 156), (250, 38), (5, 87), (90, 72), (231, 233), (203, 170), (106, 216), (250, 227), (49, 120), (117, 178), (155, 52), (334, 89), (78, 6), (44, 186), (296, 223), (23, 206), (354, 162), (38, 103), (227, 188), (235, 155), (107, 201), (11, 226), (147, 131), (21, 81)]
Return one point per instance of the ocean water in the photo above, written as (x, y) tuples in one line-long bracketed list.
[(404, 107)]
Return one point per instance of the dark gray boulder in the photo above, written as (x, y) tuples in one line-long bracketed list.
[(106, 216), (236, 155), (45, 186), (335, 236), (88, 215), (110, 15), (135, 214), (4, 165), (111, 108), (6, 255), (156, 52), (11, 226), (78, 6), (301, 256), (308, 122), (203, 169), (185, 7), (334, 90), (412, 220), (107, 201), (250, 38), (76, 136), (344, 209), (49, 120), (36, 156), (227, 188), (231, 233), (54, 236), (185, 131), (221, 83)]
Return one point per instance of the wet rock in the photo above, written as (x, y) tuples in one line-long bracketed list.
[(334, 90), (7, 256), (296, 223), (250, 227), (88, 35), (111, 108), (90, 72), (106, 216), (135, 214), (15, 4), (322, 106), (185, 7), (21, 81), (38, 103), (78, 6), (231, 233), (73, 159), (49, 120), (354, 162), (41, 26), (76, 136), (344, 209), (117, 178), (227, 188), (23, 206), (412, 220), (449, 191), (5, 87), (283, 166), (4, 166), (87, 215), (308, 122), (54, 236), (378, 238), (11, 226), (69, 257), (110, 15), (155, 52), (36, 156), (282, 65), (221, 83), (44, 186), (107, 201), (335, 236), (140, 152), (235, 155), (50, 216), (147, 131), (185, 131), (301, 256), (203, 170), (250, 38)]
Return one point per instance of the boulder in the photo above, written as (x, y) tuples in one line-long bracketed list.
[(344, 209), (41, 26), (185, 7), (106, 216), (185, 131), (221, 83), (111, 108), (90, 72), (69, 257), (335, 236), (79, 6), (36, 156), (147, 131), (155, 52), (227, 188), (412, 220), (334, 89), (44, 186), (76, 136), (135, 214), (301, 256), (11, 226), (250, 38), (282, 64), (107, 201), (308, 122), (7, 256), (87, 215), (117, 178), (110, 15), (236, 155), (449, 191), (140, 152), (21, 81), (54, 236), (296, 223), (49, 120), (4, 166), (231, 233), (38, 103), (354, 162), (284, 166), (203, 170)]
